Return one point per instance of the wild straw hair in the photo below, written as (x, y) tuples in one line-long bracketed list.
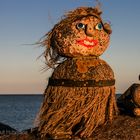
[(51, 52)]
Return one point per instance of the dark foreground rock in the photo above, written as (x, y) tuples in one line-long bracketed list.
[(123, 128), (6, 129)]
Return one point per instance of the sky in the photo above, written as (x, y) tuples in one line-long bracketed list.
[(24, 22)]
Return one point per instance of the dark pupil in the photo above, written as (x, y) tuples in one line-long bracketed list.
[(80, 25), (100, 26)]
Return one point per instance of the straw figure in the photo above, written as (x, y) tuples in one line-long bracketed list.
[(80, 95)]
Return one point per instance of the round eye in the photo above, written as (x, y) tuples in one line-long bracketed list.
[(99, 26), (80, 26)]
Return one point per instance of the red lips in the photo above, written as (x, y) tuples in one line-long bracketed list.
[(87, 43)]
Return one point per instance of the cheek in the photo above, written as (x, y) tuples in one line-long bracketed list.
[(70, 40), (64, 42), (65, 36), (104, 39)]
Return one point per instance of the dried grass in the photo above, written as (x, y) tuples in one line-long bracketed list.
[(76, 111)]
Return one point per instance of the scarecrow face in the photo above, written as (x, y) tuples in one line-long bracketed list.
[(84, 37)]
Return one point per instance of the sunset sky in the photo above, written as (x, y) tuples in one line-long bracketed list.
[(24, 22)]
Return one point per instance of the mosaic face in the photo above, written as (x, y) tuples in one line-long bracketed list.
[(84, 37)]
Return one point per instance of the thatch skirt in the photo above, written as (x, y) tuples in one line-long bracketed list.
[(68, 111)]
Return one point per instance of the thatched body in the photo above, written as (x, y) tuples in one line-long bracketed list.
[(69, 110), (81, 94)]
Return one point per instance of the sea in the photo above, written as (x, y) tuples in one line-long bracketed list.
[(20, 111)]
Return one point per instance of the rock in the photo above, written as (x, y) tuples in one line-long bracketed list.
[(6, 129), (129, 102), (136, 95)]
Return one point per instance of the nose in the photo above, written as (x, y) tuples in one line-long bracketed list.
[(89, 30)]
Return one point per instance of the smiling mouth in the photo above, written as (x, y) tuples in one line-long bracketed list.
[(87, 43)]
